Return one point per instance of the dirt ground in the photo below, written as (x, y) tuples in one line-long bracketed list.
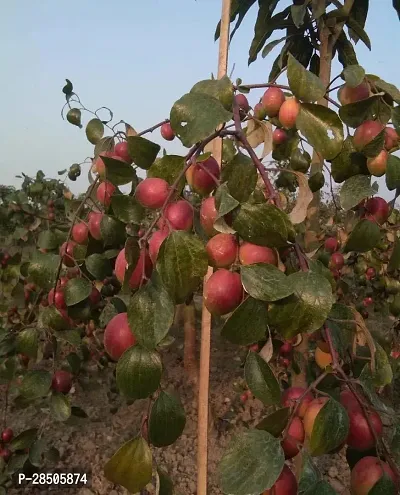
[(87, 446)]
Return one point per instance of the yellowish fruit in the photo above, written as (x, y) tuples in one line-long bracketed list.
[(323, 359)]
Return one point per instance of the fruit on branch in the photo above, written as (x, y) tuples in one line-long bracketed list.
[(331, 244), (367, 472), (99, 165), (152, 192), (279, 136), (252, 253), (94, 221), (312, 411), (57, 298), (222, 250), (366, 132), (80, 233), (166, 132), (94, 296), (155, 242), (377, 164), (286, 484), (367, 301), (349, 401), (223, 292), (284, 361), (323, 359), (288, 113), (272, 100), (377, 209), (295, 436), (286, 348), (61, 382), (360, 436), (370, 273), (336, 261), (5, 453), (392, 286), (391, 138), (67, 253), (104, 193), (141, 272), (121, 150), (347, 95), (7, 435), (203, 177), (242, 102), (118, 336), (259, 111), (208, 215), (178, 216), (292, 394)]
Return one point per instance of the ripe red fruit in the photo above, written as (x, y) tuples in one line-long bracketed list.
[(200, 176), (242, 102), (366, 473), (5, 453), (208, 215), (367, 301), (295, 435), (144, 262), (222, 250), (285, 362), (391, 138), (166, 132), (50, 202), (370, 273), (311, 413), (360, 436), (155, 242), (152, 192), (292, 394), (331, 244), (62, 381), (377, 209), (337, 261), (95, 296), (366, 132), (286, 484), (252, 253), (80, 233), (223, 292), (104, 193), (51, 216), (121, 150), (272, 101), (94, 222), (288, 113), (377, 164), (67, 253), (395, 354), (99, 165), (118, 336), (347, 95), (279, 136), (179, 215), (348, 401), (285, 348), (57, 298), (259, 111), (7, 435)]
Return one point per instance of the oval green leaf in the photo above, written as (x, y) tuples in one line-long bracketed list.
[(167, 420), (247, 324), (60, 407), (127, 209), (142, 151), (98, 266), (77, 290), (304, 84), (261, 379), (364, 237), (241, 177), (35, 384), (265, 282)]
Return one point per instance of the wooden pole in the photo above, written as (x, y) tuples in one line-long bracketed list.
[(204, 375)]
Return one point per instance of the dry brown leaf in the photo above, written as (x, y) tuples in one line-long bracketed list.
[(390, 236), (364, 336), (329, 223), (304, 198), (311, 240), (259, 132), (268, 349), (298, 341), (67, 194), (209, 147), (342, 235), (129, 130), (284, 201)]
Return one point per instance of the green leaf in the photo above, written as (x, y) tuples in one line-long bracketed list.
[(142, 151), (261, 379), (364, 237), (317, 123), (74, 117), (94, 130), (354, 190), (393, 172), (270, 46), (396, 118), (167, 420), (384, 486), (239, 9), (275, 422), (354, 75), (321, 488), (346, 53), (60, 408), (240, 175), (298, 12), (224, 202), (359, 31), (151, 313), (383, 374), (388, 88), (305, 85), (113, 231), (181, 263), (221, 89), (354, 114), (348, 162), (138, 372), (98, 266), (200, 113), (374, 147), (396, 6), (310, 474), (16, 463), (24, 440), (68, 88), (366, 381), (131, 465), (77, 290), (251, 464), (71, 336), (166, 485), (127, 209), (168, 168), (395, 443), (105, 144), (43, 268), (247, 324), (118, 172), (36, 452), (50, 317), (47, 240), (265, 282), (35, 384), (394, 262), (27, 342), (331, 428)]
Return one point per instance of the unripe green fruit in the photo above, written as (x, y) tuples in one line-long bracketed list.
[(300, 161), (316, 181), (392, 286), (360, 267)]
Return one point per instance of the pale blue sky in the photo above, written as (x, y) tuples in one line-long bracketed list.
[(136, 57)]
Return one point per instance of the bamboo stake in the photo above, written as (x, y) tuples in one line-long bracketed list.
[(204, 375)]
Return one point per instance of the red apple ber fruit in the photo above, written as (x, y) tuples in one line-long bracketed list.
[(259, 111), (272, 101), (360, 436), (178, 216), (252, 253), (311, 413), (104, 193), (370, 273), (99, 164), (286, 348), (292, 394), (223, 292), (377, 209), (95, 296), (377, 164), (118, 336), (80, 233), (366, 473), (7, 435), (295, 436), (279, 136), (62, 381), (288, 113), (121, 150), (155, 242), (222, 250), (368, 301), (337, 261), (391, 138), (5, 453), (143, 264), (166, 132), (331, 244), (242, 102), (94, 221), (200, 176), (286, 484), (57, 298), (67, 253), (152, 192), (366, 132), (347, 95), (208, 215)]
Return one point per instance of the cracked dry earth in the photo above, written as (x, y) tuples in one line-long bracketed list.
[(85, 447)]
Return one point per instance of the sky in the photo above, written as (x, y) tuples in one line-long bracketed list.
[(135, 57)]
